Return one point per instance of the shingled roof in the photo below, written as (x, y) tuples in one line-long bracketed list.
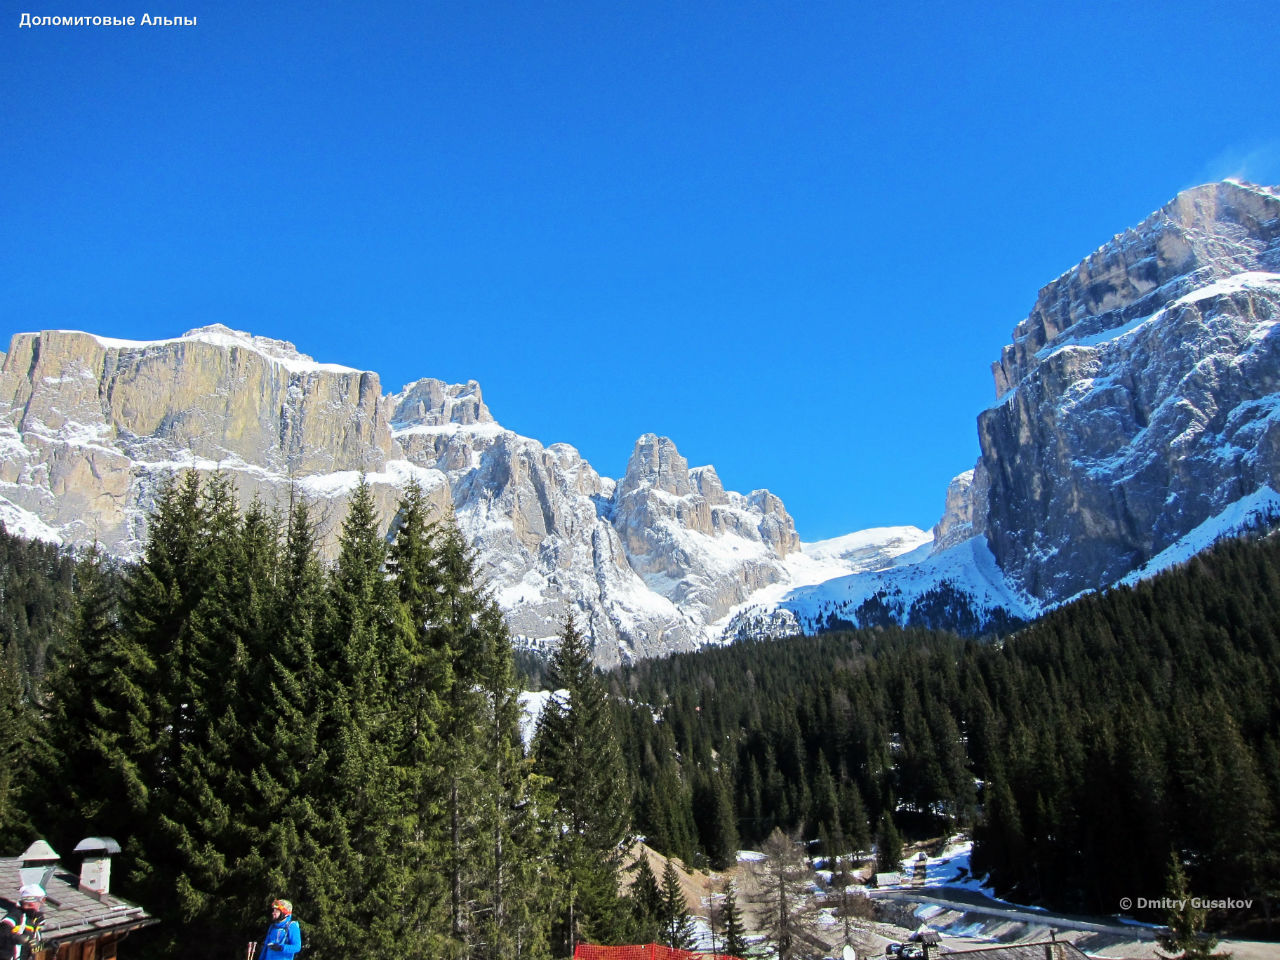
[(1042, 950), (71, 914)]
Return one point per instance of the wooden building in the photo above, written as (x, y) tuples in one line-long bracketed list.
[(82, 919)]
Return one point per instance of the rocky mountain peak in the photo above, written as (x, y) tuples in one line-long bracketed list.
[(656, 464), (1203, 235), (282, 351), (1139, 398), (430, 402)]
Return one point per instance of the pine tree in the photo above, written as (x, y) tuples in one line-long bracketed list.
[(888, 846), (71, 693), (146, 702), (717, 827), (646, 901), (357, 790), (199, 813), (419, 896), (576, 748), (1186, 939), (677, 925), (511, 880), (16, 732), (735, 937), (289, 842)]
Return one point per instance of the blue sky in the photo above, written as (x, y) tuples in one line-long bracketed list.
[(791, 236)]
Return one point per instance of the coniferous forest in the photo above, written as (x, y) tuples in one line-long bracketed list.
[(250, 722), (1079, 753)]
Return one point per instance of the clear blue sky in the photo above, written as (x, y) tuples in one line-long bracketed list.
[(792, 236)]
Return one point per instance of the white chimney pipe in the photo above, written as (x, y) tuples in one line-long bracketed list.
[(95, 869)]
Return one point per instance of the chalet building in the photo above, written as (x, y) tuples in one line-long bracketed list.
[(1042, 950), (929, 943), (82, 919)]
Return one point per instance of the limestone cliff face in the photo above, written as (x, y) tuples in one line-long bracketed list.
[(1141, 397), (90, 427), (91, 424), (964, 513), (693, 542)]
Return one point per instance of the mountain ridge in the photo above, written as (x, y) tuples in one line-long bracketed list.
[(1137, 403)]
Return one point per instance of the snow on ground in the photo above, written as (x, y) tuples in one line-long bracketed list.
[(1244, 513), (969, 567), (824, 561), (24, 523), (277, 351), (950, 868), (532, 703)]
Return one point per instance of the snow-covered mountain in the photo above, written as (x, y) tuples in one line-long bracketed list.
[(1137, 417), (647, 563)]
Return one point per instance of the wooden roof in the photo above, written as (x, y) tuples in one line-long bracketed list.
[(1041, 950), (71, 914)]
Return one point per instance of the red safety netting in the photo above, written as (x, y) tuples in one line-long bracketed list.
[(650, 951)]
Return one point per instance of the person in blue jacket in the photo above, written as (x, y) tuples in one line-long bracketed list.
[(283, 938)]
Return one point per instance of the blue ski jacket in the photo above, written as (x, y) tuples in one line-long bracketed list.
[(283, 940)]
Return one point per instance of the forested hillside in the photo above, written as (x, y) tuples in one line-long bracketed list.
[(1081, 750), (249, 724)]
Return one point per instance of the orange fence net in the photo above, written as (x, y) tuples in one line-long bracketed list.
[(650, 951)]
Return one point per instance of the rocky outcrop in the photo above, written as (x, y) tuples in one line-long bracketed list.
[(91, 427), (692, 542), (1137, 419), (1141, 397), (964, 513)]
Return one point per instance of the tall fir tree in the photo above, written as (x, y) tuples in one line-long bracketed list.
[(645, 899), (677, 925), (888, 845), (420, 677), (16, 746), (577, 749), (1185, 938), (735, 934), (354, 781)]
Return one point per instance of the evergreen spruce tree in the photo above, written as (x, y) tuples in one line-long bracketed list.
[(420, 677), (146, 703), (16, 746), (511, 881), (735, 937), (714, 815), (356, 789), (1186, 939), (646, 901), (74, 710), (576, 748), (677, 925), (199, 813), (888, 846), (288, 853)]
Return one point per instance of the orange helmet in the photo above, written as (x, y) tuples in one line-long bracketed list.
[(284, 906)]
